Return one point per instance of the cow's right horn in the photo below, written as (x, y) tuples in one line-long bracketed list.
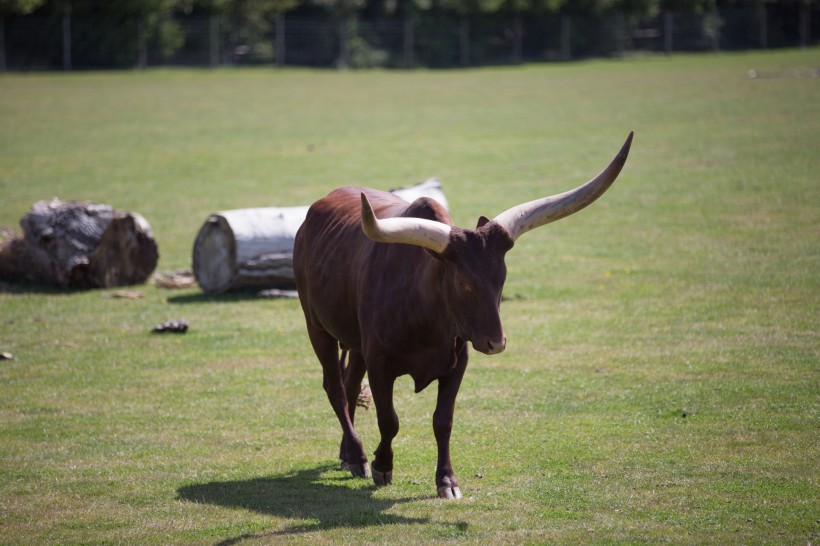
[(522, 218), (411, 231)]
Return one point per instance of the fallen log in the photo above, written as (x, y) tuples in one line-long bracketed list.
[(253, 248), (247, 248), (80, 245)]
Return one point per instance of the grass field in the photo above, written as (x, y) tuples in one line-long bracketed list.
[(660, 382)]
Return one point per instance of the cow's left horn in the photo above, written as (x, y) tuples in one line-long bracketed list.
[(412, 231), (522, 218)]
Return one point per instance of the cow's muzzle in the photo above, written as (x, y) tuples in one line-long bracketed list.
[(491, 346)]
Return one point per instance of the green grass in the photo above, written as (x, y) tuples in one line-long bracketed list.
[(661, 377)]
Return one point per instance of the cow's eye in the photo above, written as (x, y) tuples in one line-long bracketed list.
[(466, 286)]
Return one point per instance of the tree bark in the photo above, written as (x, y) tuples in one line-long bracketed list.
[(80, 245)]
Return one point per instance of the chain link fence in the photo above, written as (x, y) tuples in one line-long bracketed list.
[(428, 39)]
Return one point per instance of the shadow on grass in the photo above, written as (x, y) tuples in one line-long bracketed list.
[(319, 496), (24, 287), (201, 297), (228, 297)]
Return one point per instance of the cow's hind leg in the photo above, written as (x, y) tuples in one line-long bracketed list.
[(448, 386), (352, 375), (327, 350)]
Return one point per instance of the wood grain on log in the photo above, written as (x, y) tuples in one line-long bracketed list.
[(247, 248), (81, 245)]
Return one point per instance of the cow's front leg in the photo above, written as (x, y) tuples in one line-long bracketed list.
[(381, 387), (352, 375), (448, 386)]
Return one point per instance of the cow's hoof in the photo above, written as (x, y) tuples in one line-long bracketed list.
[(382, 478), (357, 470), (447, 492), (449, 488)]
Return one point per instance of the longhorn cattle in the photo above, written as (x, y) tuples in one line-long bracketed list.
[(401, 291)]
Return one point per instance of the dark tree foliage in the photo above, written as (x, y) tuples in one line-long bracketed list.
[(19, 7), (268, 9), (121, 33)]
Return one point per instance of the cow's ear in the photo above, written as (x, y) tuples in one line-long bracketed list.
[(481, 221)]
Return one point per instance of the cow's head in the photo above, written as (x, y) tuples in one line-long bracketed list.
[(474, 271)]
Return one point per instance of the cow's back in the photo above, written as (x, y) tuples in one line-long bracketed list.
[(330, 255)]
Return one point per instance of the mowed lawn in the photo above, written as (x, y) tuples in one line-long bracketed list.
[(661, 380)]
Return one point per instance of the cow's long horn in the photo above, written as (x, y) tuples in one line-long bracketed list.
[(412, 231), (522, 218)]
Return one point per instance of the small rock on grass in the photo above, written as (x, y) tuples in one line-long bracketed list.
[(171, 326)]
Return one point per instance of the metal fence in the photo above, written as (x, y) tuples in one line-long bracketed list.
[(431, 39)]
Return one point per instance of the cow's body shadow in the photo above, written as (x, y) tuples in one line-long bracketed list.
[(318, 497)]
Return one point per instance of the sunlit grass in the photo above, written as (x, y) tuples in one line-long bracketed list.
[(660, 381)]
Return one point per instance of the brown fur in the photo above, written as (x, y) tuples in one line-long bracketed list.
[(398, 310)]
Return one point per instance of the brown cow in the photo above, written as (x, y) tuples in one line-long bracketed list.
[(409, 308)]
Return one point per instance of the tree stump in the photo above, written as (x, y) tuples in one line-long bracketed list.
[(80, 245), (253, 248)]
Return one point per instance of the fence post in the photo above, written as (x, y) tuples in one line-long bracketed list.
[(213, 38), (804, 24), (716, 22), (764, 27), (280, 40), (408, 42), (566, 31), (67, 40), (668, 27), (142, 45), (344, 51), (2, 44), (464, 40), (620, 33), (518, 33)]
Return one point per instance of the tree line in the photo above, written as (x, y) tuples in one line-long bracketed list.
[(269, 10), (120, 29)]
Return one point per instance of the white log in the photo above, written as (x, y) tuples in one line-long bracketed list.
[(253, 248), (429, 188), (246, 248)]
